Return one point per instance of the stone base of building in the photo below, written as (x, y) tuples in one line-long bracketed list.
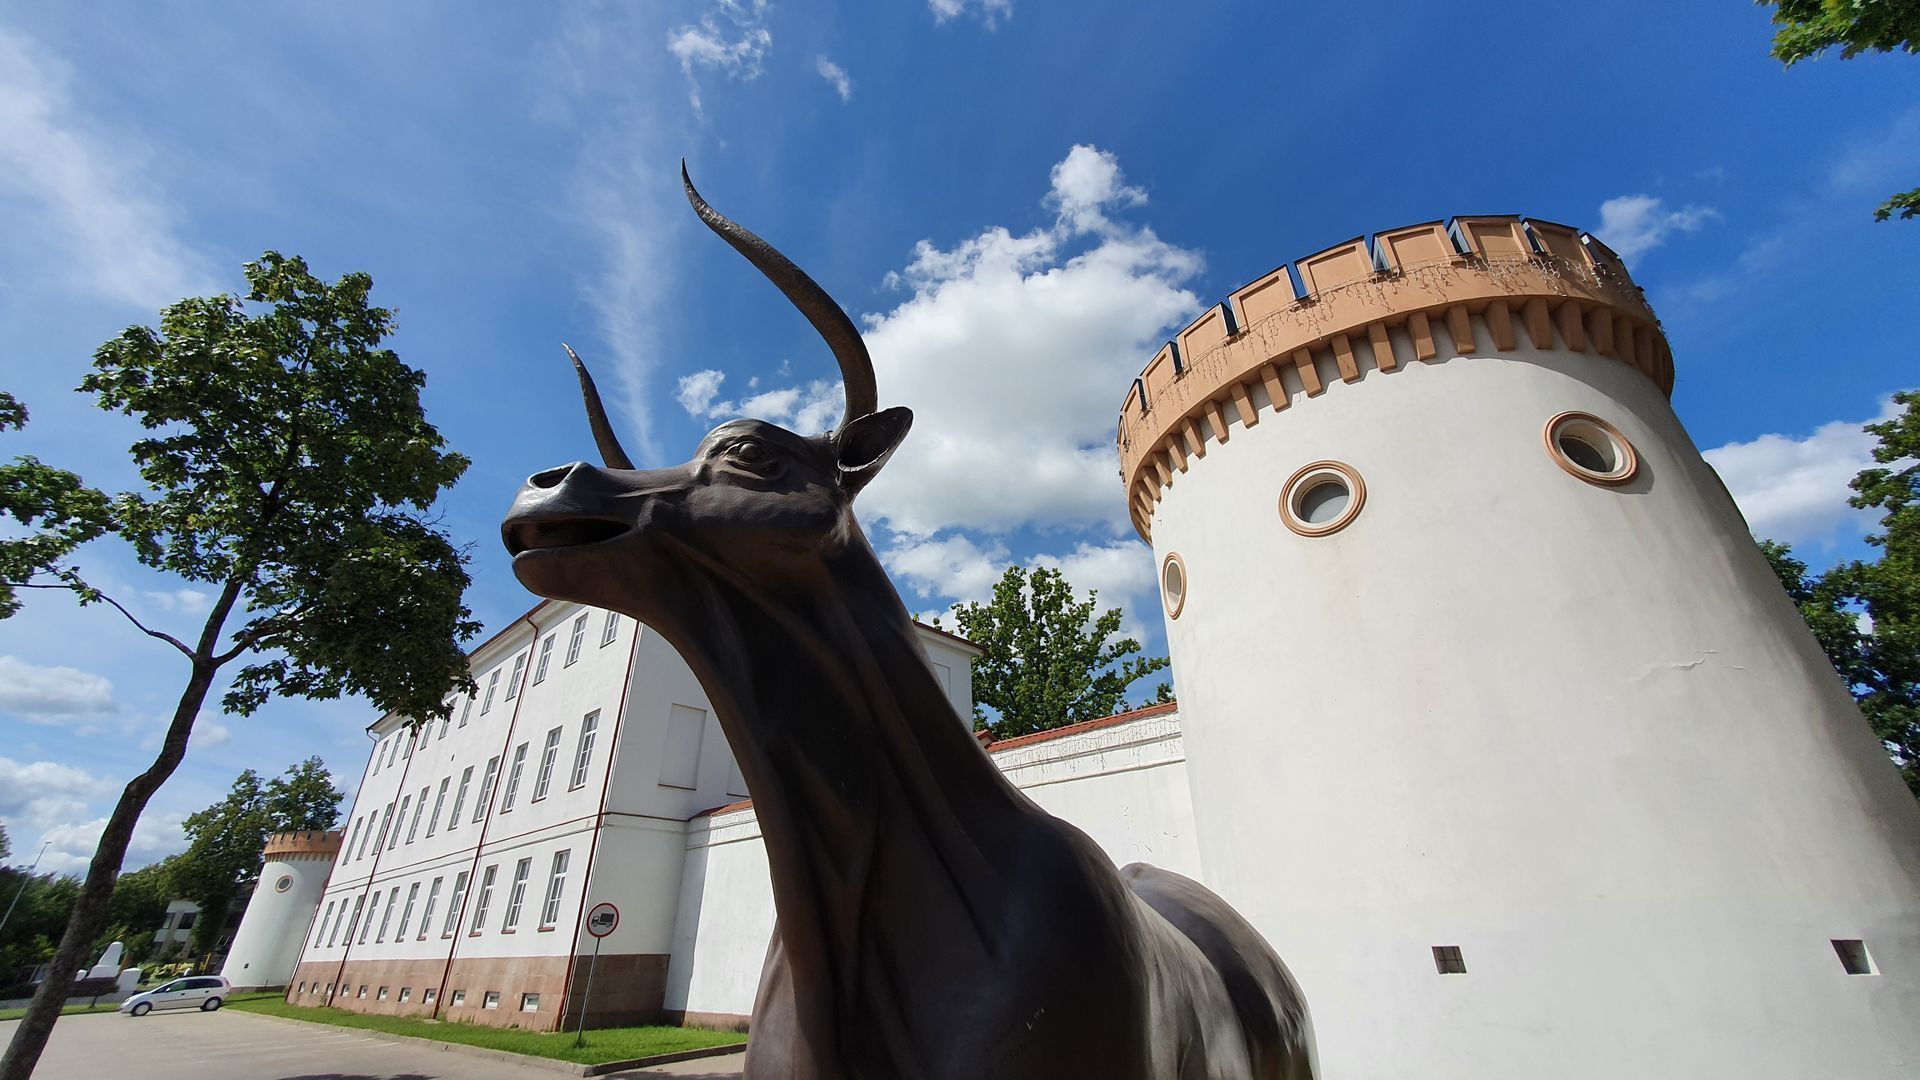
[(538, 993)]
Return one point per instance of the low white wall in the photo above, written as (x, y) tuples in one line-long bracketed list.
[(1124, 783)]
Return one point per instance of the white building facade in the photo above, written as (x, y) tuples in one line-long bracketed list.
[(476, 844), (1500, 728)]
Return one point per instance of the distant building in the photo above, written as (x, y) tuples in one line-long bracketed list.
[(293, 875)]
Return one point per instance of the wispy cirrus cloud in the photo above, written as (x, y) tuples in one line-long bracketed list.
[(836, 77), (989, 12), (82, 199)]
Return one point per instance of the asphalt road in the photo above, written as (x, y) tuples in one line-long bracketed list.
[(230, 1045)]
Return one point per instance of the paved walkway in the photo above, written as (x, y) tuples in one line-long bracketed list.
[(231, 1045)]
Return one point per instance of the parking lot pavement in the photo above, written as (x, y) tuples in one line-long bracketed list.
[(231, 1045)]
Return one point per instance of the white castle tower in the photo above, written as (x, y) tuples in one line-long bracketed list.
[(1497, 724), (271, 933)]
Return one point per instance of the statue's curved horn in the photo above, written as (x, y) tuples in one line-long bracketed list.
[(856, 367), (603, 436)]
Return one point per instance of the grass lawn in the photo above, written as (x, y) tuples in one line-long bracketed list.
[(71, 1010), (606, 1044)]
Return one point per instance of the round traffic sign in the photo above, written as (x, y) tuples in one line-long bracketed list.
[(602, 919)]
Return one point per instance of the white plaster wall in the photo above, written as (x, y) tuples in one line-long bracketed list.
[(1577, 731), (267, 944), (1124, 784)]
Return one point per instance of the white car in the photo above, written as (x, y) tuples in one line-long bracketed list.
[(203, 992)]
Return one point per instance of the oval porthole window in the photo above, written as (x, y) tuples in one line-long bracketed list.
[(1590, 448), (1173, 584), (285, 883), (1322, 498)]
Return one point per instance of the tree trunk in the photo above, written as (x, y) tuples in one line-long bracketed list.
[(90, 909)]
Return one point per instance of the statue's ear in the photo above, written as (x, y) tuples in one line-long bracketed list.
[(862, 446)]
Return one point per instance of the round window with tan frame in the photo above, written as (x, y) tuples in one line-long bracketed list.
[(1322, 498), (1590, 448), (1173, 584)]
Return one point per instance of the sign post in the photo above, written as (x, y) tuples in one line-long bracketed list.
[(601, 921)]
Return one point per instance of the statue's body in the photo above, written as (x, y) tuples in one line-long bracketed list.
[(931, 920)]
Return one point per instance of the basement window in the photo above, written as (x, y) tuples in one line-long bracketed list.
[(459, 997), (1448, 961), (529, 1002), (1853, 956), (429, 995), (406, 993), (381, 995), (362, 993), (491, 1001)]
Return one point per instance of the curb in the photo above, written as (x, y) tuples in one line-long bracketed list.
[(569, 1068)]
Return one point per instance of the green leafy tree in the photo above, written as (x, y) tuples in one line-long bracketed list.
[(289, 464), (1811, 27), (1866, 614), (1049, 659), (225, 839)]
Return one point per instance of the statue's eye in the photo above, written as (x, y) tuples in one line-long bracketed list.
[(748, 452)]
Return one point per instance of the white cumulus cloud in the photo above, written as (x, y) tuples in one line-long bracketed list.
[(1794, 488), (92, 205), (36, 795), (1633, 225), (52, 695), (155, 837), (836, 77)]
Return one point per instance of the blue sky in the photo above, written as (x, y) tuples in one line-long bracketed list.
[(1019, 201)]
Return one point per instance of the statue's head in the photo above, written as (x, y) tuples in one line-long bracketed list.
[(758, 508)]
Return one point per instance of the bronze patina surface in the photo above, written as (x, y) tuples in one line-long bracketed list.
[(931, 920)]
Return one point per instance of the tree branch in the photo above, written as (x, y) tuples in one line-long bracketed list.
[(161, 634)]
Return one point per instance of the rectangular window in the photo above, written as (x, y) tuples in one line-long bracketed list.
[(363, 991), (406, 913), (484, 898), (429, 995), (453, 906), (556, 885), (187, 919), (414, 825), (513, 777), (459, 997), (426, 913), (466, 711), (1448, 961), (513, 681), (493, 683), (373, 822), (1853, 956), (529, 1002), (486, 787), (459, 799), (578, 638), (382, 995), (412, 737), (366, 925), (446, 721), (386, 917), (547, 755), (517, 894), (346, 849), (406, 993), (680, 762), (324, 920), (491, 1001), (379, 751), (546, 655), (610, 630), (381, 837), (359, 905), (394, 839), (583, 750), (439, 804)]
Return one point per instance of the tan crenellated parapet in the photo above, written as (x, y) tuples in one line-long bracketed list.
[(1412, 293), (314, 844)]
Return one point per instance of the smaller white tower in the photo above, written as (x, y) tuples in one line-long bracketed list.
[(267, 945)]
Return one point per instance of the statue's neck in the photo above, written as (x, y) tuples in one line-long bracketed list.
[(885, 822)]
